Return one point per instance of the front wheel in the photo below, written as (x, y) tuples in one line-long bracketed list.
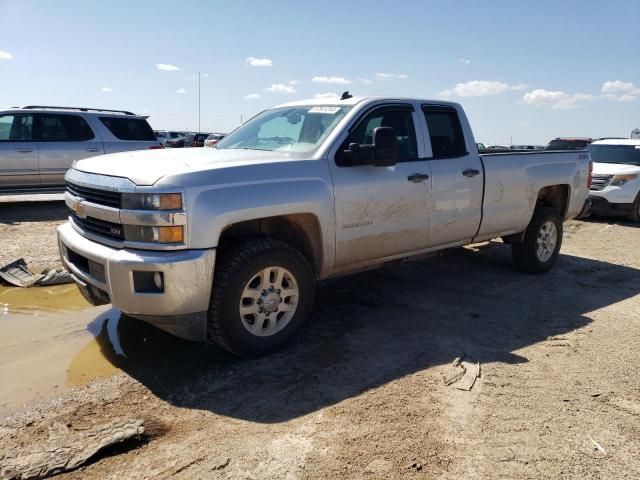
[(541, 244), (262, 294), (634, 214)]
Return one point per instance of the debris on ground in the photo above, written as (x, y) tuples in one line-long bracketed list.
[(597, 446), (464, 374), (18, 274), (66, 449)]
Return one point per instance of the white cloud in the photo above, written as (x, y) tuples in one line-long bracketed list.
[(365, 81), (328, 96), (464, 61), (106, 89), (252, 96), (621, 98), (616, 86), (259, 62), (5, 55), (391, 76), (281, 88), (555, 99), (293, 82), (167, 67), (335, 80), (519, 86), (620, 91), (476, 88), (181, 91)]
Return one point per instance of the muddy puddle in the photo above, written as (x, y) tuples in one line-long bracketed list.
[(52, 339), (48, 342), (39, 300)]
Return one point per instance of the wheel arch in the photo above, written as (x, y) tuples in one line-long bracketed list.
[(555, 196), (300, 230)]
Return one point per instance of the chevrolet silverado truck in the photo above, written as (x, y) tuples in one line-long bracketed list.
[(226, 244)]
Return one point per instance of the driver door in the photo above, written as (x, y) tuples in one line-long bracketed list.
[(382, 211)]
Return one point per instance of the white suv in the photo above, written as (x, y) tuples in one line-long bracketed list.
[(38, 144), (615, 189)]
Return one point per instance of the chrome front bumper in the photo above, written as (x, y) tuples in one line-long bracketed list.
[(105, 274)]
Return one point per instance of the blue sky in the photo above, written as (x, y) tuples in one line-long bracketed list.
[(527, 71)]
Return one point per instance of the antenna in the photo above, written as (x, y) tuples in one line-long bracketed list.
[(346, 95)]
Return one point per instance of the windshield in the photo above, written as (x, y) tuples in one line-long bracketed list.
[(298, 131), (615, 154)]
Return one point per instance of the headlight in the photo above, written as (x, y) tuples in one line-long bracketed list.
[(152, 201), (140, 233), (619, 180)]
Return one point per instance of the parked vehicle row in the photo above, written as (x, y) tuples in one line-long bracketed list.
[(226, 244), (38, 144), (175, 139)]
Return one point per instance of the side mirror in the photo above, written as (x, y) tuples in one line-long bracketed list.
[(359, 155), (384, 147)]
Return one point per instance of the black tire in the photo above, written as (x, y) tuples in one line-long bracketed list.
[(236, 266), (634, 214), (524, 254)]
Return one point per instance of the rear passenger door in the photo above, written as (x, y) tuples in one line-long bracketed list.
[(457, 178), (18, 152), (62, 139)]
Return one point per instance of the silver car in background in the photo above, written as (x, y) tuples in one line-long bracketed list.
[(213, 139), (38, 144)]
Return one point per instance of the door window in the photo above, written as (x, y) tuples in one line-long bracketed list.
[(16, 128), (400, 119), (63, 128), (445, 132)]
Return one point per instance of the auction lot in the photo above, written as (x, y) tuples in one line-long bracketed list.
[(362, 393)]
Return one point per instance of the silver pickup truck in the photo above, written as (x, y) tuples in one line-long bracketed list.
[(226, 244)]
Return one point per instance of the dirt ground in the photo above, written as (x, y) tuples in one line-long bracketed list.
[(362, 393)]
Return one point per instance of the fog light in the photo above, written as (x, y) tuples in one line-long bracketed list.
[(158, 280), (148, 282)]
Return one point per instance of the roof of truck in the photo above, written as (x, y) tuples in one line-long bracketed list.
[(355, 100)]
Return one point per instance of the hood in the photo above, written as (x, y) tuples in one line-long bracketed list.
[(614, 168), (146, 167)]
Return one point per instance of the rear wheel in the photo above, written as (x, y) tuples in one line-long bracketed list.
[(540, 247), (634, 214), (262, 294)]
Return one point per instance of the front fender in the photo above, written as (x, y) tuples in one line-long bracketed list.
[(211, 210)]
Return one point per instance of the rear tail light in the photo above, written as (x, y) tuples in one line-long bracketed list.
[(154, 147), (590, 174)]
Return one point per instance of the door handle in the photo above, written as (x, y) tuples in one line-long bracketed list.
[(93, 150), (470, 172), (24, 150), (418, 177)]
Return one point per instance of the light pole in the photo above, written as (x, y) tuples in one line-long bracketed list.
[(198, 102)]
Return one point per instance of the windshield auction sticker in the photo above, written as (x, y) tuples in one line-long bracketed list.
[(329, 110)]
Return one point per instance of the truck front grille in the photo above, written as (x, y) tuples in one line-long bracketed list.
[(96, 226), (94, 195), (599, 182)]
